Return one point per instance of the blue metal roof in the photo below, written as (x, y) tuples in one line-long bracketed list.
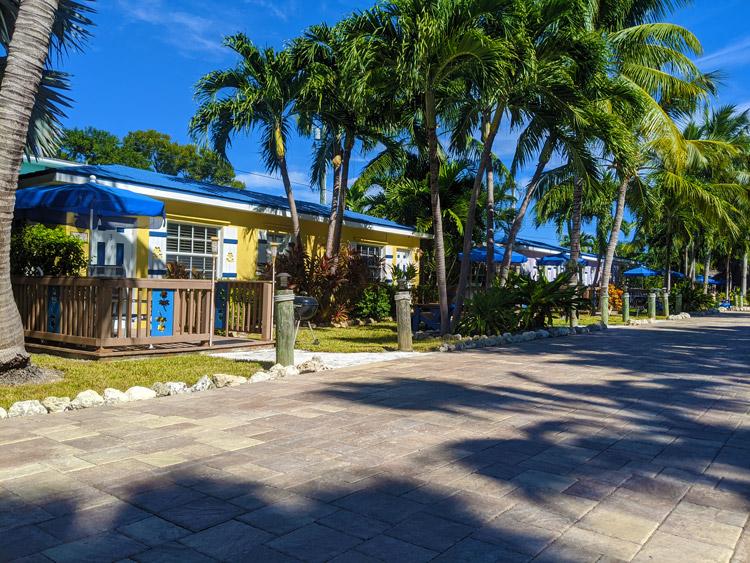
[(500, 239), (119, 173)]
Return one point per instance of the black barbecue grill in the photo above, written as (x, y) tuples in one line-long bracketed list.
[(305, 308)]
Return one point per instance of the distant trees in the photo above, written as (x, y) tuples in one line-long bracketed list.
[(150, 150)]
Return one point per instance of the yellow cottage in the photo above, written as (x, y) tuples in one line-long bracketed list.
[(243, 221)]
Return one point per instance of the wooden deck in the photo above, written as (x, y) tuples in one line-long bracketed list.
[(221, 344)]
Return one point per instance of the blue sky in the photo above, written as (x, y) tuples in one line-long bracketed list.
[(139, 69)]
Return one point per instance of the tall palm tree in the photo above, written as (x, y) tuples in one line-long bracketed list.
[(430, 49), (31, 31), (651, 61), (257, 93)]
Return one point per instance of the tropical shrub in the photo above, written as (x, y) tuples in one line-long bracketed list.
[(490, 312), (693, 298), (337, 283), (37, 250), (523, 304), (615, 297), (376, 302), (540, 299)]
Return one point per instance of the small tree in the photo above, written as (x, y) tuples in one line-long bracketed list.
[(36, 250)]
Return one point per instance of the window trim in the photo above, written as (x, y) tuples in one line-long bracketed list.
[(209, 254)]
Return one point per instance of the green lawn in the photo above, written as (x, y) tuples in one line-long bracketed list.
[(378, 337), (80, 375)]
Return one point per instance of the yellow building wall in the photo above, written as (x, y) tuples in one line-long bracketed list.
[(248, 224)]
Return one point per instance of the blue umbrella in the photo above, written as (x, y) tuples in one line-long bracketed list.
[(711, 281), (642, 272), (88, 204), (480, 255), (558, 260)]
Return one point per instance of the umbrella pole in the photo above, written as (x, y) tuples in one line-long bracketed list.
[(91, 237)]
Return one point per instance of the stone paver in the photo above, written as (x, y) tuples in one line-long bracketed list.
[(628, 445)]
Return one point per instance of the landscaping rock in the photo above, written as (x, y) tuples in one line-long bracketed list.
[(139, 393), (3, 413), (86, 399), (281, 371), (26, 408), (170, 388), (203, 384), (56, 404), (114, 396), (225, 380), (541, 333), (259, 376), (312, 365), (528, 336)]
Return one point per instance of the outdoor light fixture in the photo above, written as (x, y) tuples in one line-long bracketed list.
[(283, 278)]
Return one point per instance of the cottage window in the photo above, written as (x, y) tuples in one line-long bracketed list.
[(190, 245), (373, 255)]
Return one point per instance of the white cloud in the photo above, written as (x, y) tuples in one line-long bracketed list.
[(733, 54), (279, 10), (189, 32)]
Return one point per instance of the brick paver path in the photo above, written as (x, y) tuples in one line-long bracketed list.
[(628, 445)]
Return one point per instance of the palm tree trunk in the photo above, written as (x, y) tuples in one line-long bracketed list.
[(27, 54), (465, 273), (727, 287), (614, 236), (668, 263), (706, 267), (333, 217), (510, 240), (575, 239), (343, 191), (490, 278), (292, 203), (744, 275), (437, 214)]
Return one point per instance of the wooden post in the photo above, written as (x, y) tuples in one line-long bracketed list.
[(665, 298), (625, 307), (285, 330), (652, 304), (403, 320), (104, 312), (678, 303), (266, 319)]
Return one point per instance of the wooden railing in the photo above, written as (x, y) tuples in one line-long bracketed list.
[(245, 307), (105, 313)]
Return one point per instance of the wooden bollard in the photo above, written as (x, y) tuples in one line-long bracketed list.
[(284, 319), (403, 320)]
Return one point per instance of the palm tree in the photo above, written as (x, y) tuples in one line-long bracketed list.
[(259, 92), (28, 48), (69, 32), (650, 61), (31, 104), (430, 49)]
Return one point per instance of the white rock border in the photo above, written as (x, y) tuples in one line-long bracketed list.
[(90, 398)]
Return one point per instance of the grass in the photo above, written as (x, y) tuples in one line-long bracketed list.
[(614, 319), (378, 337), (80, 375)]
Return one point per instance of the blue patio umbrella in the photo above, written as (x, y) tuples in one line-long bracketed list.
[(558, 260), (641, 272), (711, 281), (88, 205), (480, 255)]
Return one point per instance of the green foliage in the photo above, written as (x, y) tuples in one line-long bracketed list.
[(693, 298), (150, 150), (522, 304), (376, 302), (38, 250), (337, 284)]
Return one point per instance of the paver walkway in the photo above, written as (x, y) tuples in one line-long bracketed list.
[(628, 445)]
